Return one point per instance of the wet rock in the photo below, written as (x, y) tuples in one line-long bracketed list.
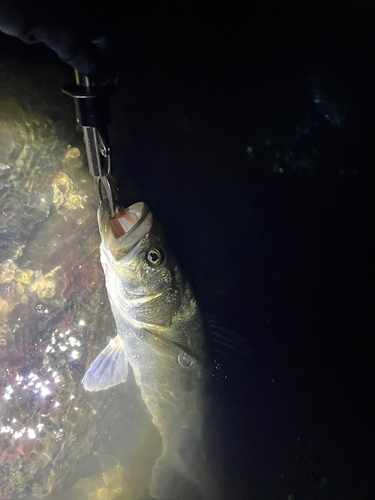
[(50, 279)]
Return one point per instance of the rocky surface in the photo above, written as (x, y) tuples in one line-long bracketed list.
[(54, 314)]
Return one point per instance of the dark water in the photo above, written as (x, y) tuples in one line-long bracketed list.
[(252, 147)]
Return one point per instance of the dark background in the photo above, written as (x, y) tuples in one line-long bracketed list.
[(277, 237)]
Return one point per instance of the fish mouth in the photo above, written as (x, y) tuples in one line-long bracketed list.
[(123, 235)]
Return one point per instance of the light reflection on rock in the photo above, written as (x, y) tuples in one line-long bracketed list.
[(44, 433), (65, 196), (54, 312), (105, 486)]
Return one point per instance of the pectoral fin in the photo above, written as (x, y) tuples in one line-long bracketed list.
[(109, 368)]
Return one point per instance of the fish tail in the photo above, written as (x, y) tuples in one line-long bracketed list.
[(173, 478), (169, 480)]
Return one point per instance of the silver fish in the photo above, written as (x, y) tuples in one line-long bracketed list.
[(160, 334)]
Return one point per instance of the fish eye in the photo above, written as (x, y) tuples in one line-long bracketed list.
[(155, 256)]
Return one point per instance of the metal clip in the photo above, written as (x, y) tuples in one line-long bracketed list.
[(104, 181), (93, 115), (99, 161)]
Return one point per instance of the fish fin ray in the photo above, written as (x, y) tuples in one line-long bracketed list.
[(226, 340), (184, 473), (168, 477), (109, 368)]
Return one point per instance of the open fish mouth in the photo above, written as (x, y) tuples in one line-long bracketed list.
[(123, 235)]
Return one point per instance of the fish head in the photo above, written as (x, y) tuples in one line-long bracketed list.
[(134, 251)]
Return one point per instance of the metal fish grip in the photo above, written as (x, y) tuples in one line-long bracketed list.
[(93, 115)]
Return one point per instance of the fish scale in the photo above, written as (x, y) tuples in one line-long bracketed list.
[(160, 335)]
